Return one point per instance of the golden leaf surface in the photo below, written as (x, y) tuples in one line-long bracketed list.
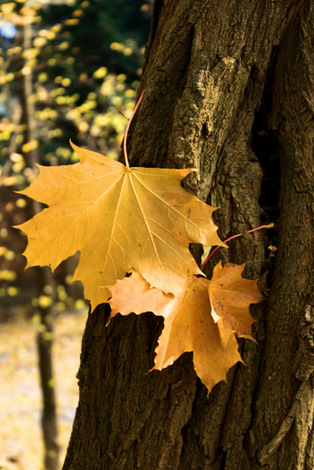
[(134, 294), (230, 298), (188, 326), (119, 218)]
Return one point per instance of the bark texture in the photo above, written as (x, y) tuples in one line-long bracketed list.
[(229, 92)]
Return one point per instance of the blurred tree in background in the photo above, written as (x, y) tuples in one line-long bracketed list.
[(68, 70), (81, 60)]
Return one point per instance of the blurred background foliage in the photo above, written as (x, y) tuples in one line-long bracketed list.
[(68, 70)]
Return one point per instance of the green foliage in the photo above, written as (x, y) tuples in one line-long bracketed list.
[(69, 72), (110, 32)]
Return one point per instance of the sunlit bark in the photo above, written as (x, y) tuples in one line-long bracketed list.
[(229, 92)]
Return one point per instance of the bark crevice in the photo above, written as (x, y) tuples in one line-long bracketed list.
[(237, 104)]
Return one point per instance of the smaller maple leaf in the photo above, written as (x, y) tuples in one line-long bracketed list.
[(203, 319), (188, 325), (134, 294), (230, 297)]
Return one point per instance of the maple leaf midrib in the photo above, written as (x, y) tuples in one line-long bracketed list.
[(166, 244), (128, 175), (151, 232), (146, 224), (114, 225)]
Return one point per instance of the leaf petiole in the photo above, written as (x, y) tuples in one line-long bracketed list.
[(234, 236), (127, 130), (199, 279)]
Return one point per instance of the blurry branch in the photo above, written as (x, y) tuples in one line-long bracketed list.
[(43, 276)]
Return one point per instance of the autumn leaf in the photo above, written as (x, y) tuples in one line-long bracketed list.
[(203, 319), (119, 218), (141, 221), (134, 294), (230, 297), (188, 326)]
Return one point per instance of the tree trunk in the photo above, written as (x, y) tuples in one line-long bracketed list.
[(229, 92)]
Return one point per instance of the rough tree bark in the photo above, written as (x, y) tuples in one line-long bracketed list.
[(228, 91)]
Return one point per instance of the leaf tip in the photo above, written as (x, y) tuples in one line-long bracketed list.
[(74, 147)]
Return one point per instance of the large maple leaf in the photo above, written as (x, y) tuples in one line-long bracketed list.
[(119, 218), (191, 322)]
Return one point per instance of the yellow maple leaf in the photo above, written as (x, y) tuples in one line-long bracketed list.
[(188, 325), (119, 218), (134, 294), (190, 319), (230, 297)]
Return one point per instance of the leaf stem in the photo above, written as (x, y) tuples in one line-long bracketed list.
[(127, 130), (234, 236), (199, 279)]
